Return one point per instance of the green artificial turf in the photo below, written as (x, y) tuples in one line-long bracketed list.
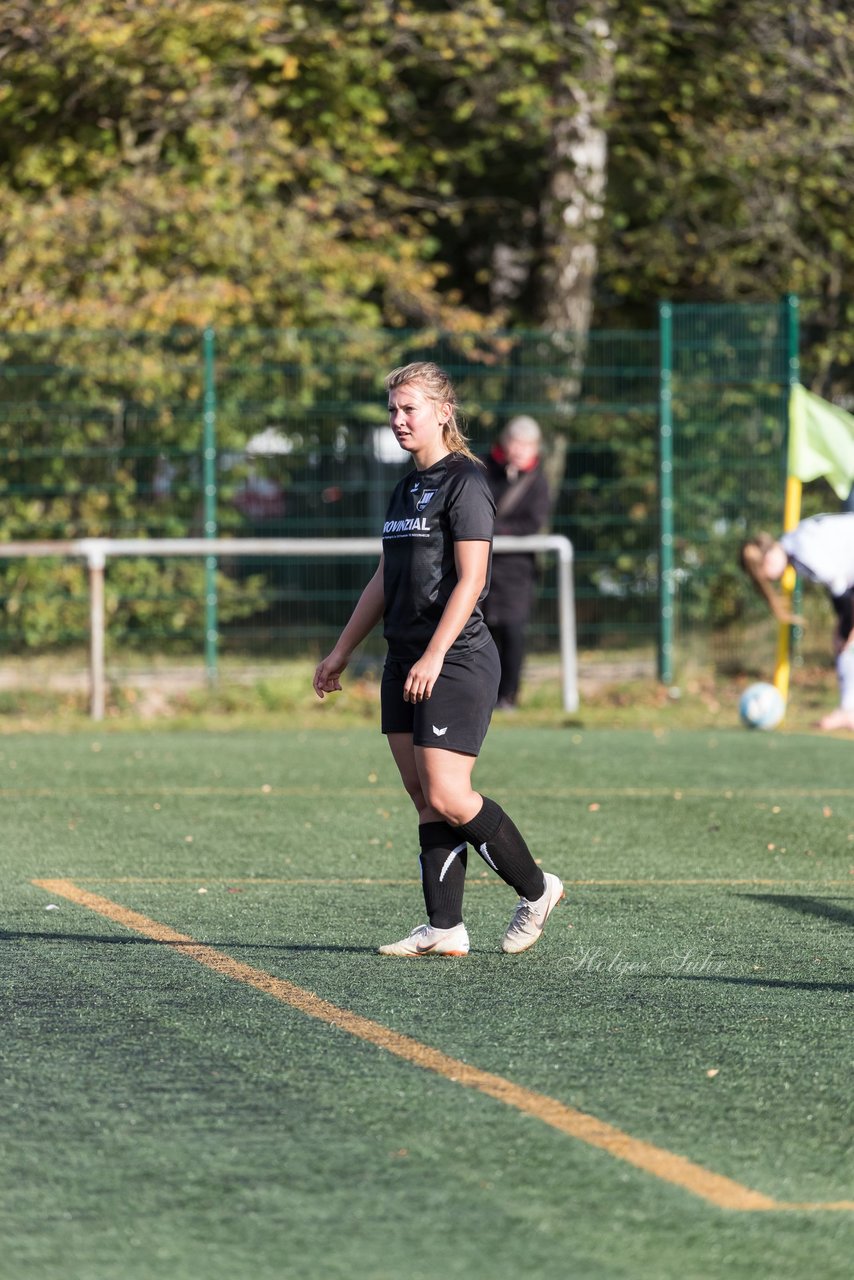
[(693, 991)]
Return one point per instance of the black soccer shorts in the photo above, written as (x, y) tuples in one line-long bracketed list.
[(456, 715)]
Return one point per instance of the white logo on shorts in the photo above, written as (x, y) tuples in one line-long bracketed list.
[(440, 732)]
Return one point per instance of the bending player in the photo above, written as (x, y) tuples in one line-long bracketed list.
[(822, 550)]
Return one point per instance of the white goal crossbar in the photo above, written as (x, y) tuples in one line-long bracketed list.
[(96, 552)]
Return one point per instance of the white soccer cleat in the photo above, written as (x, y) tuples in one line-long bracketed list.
[(427, 941), (529, 918)]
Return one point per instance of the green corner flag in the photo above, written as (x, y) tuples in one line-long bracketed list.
[(821, 441)]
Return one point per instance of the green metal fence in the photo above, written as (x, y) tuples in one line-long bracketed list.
[(284, 434), (665, 446), (728, 370)]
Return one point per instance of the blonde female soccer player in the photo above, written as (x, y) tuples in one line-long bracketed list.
[(441, 674), (820, 549)]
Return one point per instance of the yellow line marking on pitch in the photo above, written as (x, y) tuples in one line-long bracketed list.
[(717, 1189)]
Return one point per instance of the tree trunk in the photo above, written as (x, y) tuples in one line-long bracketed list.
[(573, 202)]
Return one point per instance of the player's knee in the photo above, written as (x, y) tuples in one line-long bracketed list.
[(417, 796), (446, 803)]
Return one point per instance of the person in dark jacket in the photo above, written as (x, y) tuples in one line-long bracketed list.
[(522, 501)]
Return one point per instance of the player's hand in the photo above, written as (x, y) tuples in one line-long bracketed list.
[(423, 674), (327, 675)]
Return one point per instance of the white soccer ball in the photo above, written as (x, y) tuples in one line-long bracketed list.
[(761, 706)]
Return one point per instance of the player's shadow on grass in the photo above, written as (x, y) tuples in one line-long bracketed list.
[(233, 944), (821, 907), (780, 984)]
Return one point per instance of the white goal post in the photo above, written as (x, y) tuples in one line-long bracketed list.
[(96, 552)]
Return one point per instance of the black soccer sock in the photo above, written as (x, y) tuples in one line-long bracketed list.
[(500, 844), (443, 873)]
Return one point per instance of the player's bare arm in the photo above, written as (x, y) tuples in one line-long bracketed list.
[(363, 619)]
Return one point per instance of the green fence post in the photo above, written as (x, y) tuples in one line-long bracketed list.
[(665, 493), (209, 472), (792, 317), (792, 305)]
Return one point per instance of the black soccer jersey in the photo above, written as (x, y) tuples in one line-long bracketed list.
[(428, 512)]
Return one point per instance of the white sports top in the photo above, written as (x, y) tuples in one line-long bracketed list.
[(822, 549)]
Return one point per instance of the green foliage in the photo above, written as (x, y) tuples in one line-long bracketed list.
[(161, 604), (149, 604), (319, 182), (731, 163), (45, 604), (181, 162), (368, 164)]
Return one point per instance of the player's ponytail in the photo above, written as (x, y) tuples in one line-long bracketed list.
[(437, 386)]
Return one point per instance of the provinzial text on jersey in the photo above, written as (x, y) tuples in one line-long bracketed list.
[(415, 524)]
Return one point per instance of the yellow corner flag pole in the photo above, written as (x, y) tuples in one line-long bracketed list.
[(792, 503), (791, 516)]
